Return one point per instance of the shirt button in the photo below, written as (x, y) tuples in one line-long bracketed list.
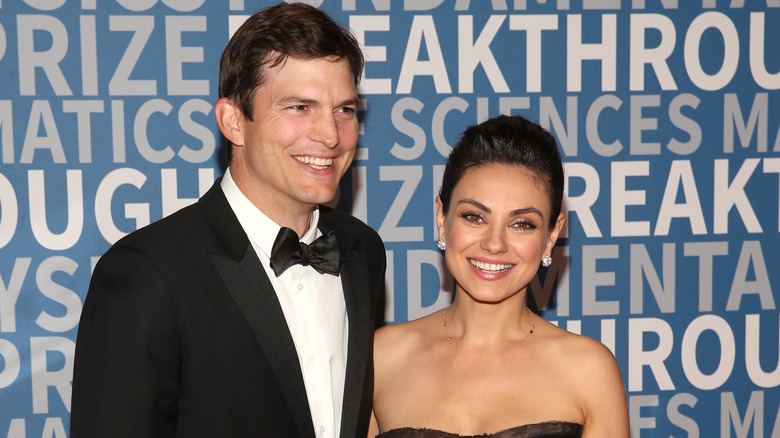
[(311, 358), (322, 429), (300, 287)]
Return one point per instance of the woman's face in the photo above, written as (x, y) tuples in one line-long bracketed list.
[(496, 230)]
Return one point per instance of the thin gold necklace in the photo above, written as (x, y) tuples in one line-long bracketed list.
[(449, 338)]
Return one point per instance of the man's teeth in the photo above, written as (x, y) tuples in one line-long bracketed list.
[(316, 162), (489, 267)]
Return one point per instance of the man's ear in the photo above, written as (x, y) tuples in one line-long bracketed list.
[(228, 117)]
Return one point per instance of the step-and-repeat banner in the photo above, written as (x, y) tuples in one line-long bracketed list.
[(667, 113)]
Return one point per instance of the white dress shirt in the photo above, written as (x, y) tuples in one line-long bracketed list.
[(313, 305)]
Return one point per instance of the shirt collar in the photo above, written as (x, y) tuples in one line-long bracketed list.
[(260, 229)]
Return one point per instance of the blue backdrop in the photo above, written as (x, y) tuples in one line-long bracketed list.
[(667, 113)]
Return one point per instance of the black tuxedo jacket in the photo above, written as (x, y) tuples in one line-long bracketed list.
[(182, 335)]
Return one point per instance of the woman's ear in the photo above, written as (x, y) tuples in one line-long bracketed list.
[(554, 232), (440, 218), (228, 120)]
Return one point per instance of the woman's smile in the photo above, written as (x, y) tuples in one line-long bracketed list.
[(490, 267)]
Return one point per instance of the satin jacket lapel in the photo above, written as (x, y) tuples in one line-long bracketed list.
[(246, 280), (354, 281)]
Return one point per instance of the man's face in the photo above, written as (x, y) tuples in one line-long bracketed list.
[(302, 138)]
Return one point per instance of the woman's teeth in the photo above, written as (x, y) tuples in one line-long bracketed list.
[(489, 267)]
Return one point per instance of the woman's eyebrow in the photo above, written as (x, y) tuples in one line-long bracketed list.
[(526, 210), (517, 212)]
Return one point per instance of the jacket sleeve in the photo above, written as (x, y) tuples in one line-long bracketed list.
[(128, 353)]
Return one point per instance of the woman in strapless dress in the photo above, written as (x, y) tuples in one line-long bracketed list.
[(487, 365)]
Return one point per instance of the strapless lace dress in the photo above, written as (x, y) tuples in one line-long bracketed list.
[(548, 429)]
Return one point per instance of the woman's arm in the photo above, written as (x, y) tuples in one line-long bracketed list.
[(607, 408)]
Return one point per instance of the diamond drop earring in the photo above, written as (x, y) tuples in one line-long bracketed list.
[(442, 245), (547, 261)]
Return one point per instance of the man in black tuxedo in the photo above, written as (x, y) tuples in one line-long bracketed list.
[(251, 312)]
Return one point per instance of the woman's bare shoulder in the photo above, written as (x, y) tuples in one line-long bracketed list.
[(403, 338), (585, 360), (576, 347), (592, 372), (399, 350)]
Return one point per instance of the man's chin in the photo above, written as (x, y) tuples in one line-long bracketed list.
[(332, 203), (324, 197)]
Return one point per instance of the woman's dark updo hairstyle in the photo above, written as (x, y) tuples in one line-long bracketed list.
[(510, 140)]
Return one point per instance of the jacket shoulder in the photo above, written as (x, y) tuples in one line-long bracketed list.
[(183, 224), (347, 224)]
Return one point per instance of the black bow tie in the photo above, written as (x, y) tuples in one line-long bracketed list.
[(323, 254)]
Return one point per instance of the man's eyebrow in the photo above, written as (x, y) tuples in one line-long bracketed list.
[(352, 101), (298, 100)]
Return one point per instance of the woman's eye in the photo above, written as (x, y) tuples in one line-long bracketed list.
[(525, 226), (472, 218)]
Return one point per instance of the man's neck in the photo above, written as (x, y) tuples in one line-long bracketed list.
[(285, 214)]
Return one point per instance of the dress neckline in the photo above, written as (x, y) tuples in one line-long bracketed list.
[(562, 426)]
